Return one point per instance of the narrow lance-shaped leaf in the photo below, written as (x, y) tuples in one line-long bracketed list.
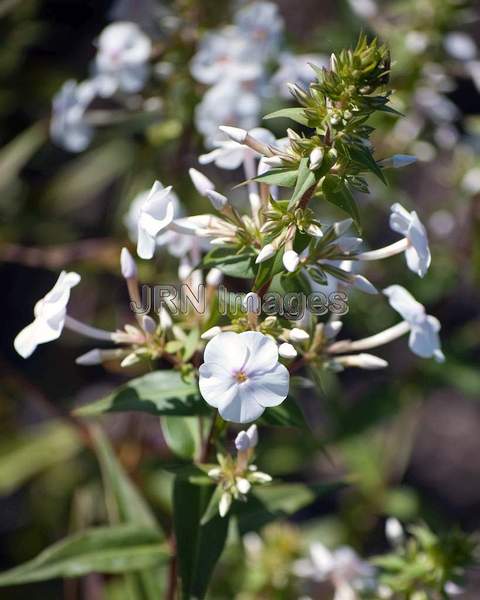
[(198, 546), (119, 549)]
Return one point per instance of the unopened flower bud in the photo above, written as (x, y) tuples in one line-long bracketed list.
[(214, 277), (127, 264), (291, 260), (242, 442), (298, 335), (332, 329), (252, 303), (219, 201), (235, 133), (286, 350), (92, 357), (211, 333), (243, 485), (315, 230), (201, 182), (398, 161), (265, 253), (273, 161), (148, 324), (361, 283), (316, 158), (259, 477), (165, 319), (224, 504), (252, 433)]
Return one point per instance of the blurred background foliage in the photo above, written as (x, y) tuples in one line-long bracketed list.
[(406, 438)]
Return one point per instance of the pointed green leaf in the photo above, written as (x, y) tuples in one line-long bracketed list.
[(157, 393), (338, 193), (119, 549), (230, 262), (295, 114), (306, 179), (287, 414), (282, 177), (363, 156)]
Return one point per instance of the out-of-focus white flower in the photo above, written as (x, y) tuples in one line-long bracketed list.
[(156, 214), (176, 244), (452, 589), (229, 154), (241, 375), (394, 531), (225, 54), (442, 222), (262, 24), (460, 45), (68, 126), (229, 102), (247, 439), (50, 313), (296, 69), (364, 8), (424, 339), (471, 181), (121, 63), (343, 568), (416, 41), (409, 225), (435, 106)]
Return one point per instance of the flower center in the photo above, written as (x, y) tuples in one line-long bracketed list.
[(241, 376)]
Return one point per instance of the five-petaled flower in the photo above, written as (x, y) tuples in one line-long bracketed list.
[(241, 375)]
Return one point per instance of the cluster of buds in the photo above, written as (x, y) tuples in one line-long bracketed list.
[(235, 476)]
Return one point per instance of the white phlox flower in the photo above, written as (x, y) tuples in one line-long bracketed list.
[(122, 59), (408, 224), (50, 313), (69, 127), (423, 339), (241, 375), (156, 214), (229, 154)]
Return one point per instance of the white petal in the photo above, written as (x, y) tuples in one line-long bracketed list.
[(404, 303), (424, 340), (399, 219), (216, 384), (262, 352), (242, 408), (322, 559), (227, 349), (145, 244), (270, 388), (26, 342)]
